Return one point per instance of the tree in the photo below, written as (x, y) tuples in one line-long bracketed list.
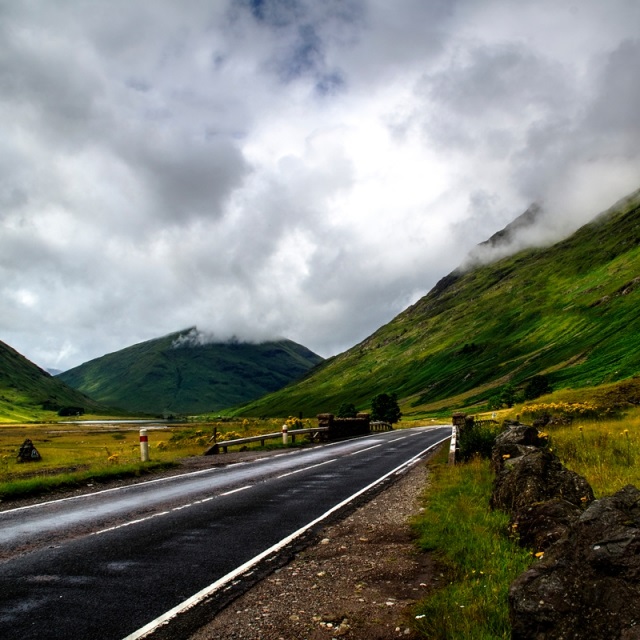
[(347, 410), (536, 387), (506, 398), (385, 407)]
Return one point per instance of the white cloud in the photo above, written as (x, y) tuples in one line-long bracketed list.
[(302, 169)]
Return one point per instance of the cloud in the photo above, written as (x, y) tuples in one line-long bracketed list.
[(266, 168)]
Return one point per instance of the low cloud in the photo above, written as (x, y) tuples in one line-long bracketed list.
[(263, 168)]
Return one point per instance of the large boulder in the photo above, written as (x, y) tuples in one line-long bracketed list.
[(587, 585), (541, 524), (515, 441), (536, 477)]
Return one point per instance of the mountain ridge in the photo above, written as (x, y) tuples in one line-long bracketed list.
[(183, 372), (559, 311)]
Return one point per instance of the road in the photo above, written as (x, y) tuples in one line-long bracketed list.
[(109, 564)]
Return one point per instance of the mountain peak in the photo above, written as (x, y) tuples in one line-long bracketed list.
[(505, 236)]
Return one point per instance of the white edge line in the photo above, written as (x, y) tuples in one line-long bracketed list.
[(97, 493), (197, 598)]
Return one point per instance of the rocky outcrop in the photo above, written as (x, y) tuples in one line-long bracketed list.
[(587, 582), (534, 477), (587, 585)]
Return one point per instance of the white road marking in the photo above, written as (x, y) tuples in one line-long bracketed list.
[(128, 524), (367, 449), (313, 466), (228, 493)]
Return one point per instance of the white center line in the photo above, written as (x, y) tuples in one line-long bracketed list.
[(313, 466), (228, 493), (367, 449)]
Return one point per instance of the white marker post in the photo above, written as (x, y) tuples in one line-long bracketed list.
[(144, 446), (285, 435)]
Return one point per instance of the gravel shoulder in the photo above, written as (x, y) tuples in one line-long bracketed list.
[(360, 580)]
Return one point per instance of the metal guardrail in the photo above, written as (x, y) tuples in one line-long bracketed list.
[(261, 438)]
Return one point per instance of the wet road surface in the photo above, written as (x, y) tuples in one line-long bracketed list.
[(106, 564)]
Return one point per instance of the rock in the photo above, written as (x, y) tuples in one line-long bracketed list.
[(520, 434), (515, 441), (536, 477), (587, 585), (500, 454), (543, 523)]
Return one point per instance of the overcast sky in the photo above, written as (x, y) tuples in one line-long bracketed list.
[(296, 168)]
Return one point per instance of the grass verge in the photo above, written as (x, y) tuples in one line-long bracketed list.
[(480, 560), (39, 485)]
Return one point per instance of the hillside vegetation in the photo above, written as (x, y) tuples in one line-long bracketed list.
[(28, 393), (178, 373), (568, 312)]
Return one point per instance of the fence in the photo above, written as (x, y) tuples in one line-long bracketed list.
[(378, 426), (330, 428)]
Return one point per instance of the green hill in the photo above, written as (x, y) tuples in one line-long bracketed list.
[(570, 312), (28, 393), (180, 374)]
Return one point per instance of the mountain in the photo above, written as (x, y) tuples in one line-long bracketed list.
[(525, 221), (569, 311), (28, 393), (182, 373)]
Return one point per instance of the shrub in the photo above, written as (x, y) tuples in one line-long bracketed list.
[(477, 439)]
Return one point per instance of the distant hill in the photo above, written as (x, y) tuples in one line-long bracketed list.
[(569, 311), (28, 393), (181, 373)]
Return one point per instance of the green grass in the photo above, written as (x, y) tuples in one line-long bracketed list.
[(604, 450), (479, 561)]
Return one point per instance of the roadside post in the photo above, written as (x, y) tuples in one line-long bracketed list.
[(285, 435), (144, 446)]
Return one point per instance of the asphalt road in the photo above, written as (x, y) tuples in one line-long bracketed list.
[(110, 565)]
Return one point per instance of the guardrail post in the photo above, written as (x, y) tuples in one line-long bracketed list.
[(144, 446), (453, 445), (285, 435)]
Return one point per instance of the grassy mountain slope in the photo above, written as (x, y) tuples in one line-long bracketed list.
[(178, 374), (25, 390), (569, 311)]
